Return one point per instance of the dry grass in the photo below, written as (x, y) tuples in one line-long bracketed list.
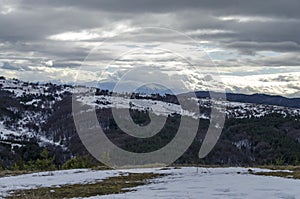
[(294, 174), (5, 173), (112, 185)]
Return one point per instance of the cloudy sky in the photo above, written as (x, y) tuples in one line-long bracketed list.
[(250, 46)]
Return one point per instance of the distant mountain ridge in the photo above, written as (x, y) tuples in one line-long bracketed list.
[(257, 98), (275, 100)]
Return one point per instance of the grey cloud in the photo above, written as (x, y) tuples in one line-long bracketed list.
[(59, 64), (236, 89), (252, 47), (14, 67), (287, 8), (280, 78), (7, 66), (294, 86), (35, 20), (24, 33)]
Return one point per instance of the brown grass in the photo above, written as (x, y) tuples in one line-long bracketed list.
[(294, 174), (112, 185)]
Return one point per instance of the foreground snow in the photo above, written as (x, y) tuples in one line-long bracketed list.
[(214, 184), (181, 183)]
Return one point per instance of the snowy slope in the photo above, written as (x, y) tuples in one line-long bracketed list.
[(34, 104), (157, 107), (31, 104), (5, 133), (187, 182), (214, 184), (233, 109), (20, 88)]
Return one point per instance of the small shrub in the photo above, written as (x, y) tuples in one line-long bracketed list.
[(79, 162)]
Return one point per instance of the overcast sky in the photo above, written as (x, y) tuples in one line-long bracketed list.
[(255, 45)]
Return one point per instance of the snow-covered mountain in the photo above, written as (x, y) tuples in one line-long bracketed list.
[(42, 113)]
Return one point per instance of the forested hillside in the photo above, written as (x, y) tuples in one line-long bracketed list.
[(37, 129)]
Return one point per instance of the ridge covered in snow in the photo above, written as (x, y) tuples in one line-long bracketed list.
[(44, 96), (26, 108)]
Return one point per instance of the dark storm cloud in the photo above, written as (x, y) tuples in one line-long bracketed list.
[(273, 25), (34, 22), (282, 8)]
